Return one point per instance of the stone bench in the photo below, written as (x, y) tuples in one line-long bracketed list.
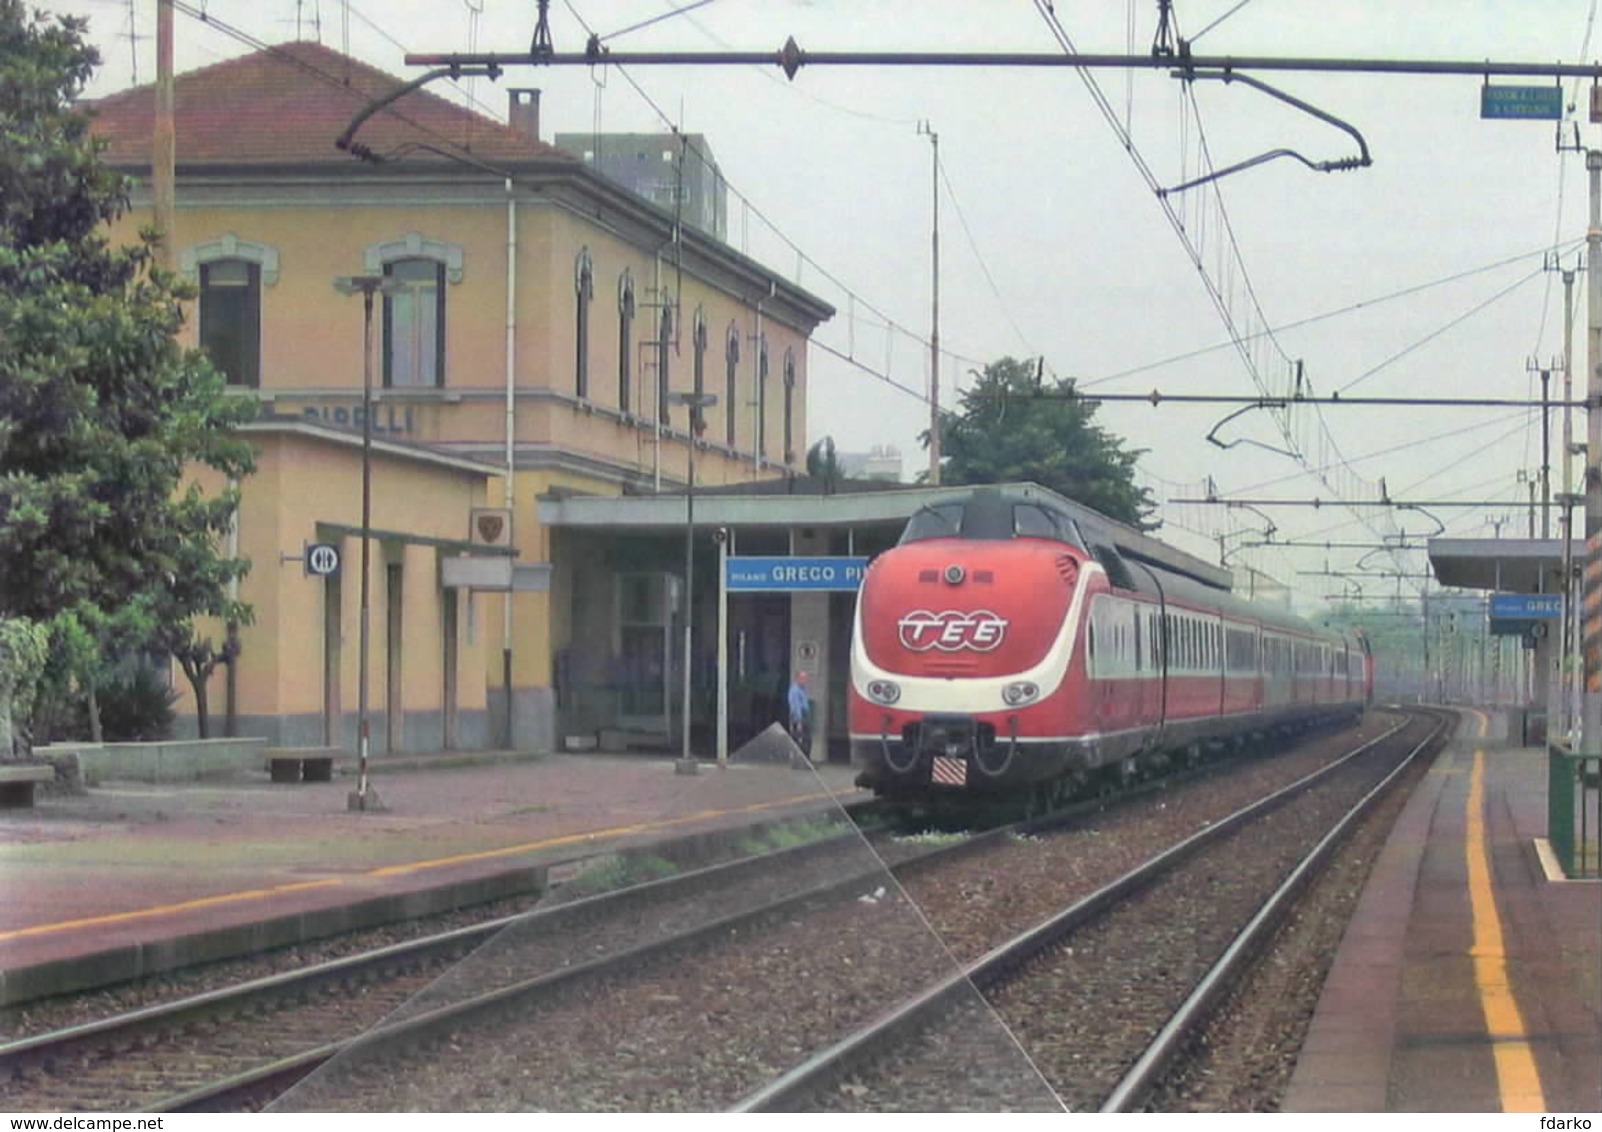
[(301, 764), (17, 783)]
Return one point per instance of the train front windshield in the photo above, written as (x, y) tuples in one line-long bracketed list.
[(992, 518)]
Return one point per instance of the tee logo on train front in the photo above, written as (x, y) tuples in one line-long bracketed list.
[(980, 630)]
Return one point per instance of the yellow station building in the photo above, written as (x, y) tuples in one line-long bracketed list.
[(534, 326)]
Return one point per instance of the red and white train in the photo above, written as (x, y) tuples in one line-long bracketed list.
[(1015, 642)]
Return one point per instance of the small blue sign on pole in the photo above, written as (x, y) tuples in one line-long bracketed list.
[(753, 574), (1537, 102), (1526, 607)]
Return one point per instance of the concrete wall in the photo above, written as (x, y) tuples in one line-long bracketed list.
[(174, 761), (303, 481)]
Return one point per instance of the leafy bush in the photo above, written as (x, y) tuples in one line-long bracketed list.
[(136, 706)]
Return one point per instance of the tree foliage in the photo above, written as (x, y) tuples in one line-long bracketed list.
[(1011, 428), (101, 410), (823, 463)]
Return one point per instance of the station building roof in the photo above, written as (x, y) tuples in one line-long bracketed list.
[(1507, 565), (807, 501), (800, 501)]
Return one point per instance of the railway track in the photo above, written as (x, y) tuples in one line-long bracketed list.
[(253, 1039), (1087, 1010), (429, 1005)]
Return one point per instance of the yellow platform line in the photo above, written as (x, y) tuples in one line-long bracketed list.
[(1518, 1080), (399, 870)]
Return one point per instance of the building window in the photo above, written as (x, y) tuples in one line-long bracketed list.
[(789, 406), (414, 316), (762, 397), (414, 324), (664, 346), (700, 351), (584, 291), (230, 318), (731, 362), (230, 274), (625, 336)]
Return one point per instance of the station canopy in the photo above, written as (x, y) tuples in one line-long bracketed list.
[(1503, 565)]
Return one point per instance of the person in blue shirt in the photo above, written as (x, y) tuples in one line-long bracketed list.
[(801, 714)]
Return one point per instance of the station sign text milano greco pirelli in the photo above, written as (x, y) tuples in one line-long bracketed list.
[(752, 574)]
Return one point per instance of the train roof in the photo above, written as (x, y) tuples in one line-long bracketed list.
[(1182, 575), (1130, 542)]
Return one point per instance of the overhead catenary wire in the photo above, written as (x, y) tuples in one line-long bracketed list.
[(1219, 300), (896, 328), (1351, 308)]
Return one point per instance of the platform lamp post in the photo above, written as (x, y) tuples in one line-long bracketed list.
[(363, 798), (697, 403)]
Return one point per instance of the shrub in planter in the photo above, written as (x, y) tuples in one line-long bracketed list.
[(136, 706)]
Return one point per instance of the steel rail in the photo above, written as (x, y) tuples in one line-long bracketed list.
[(1194, 1012), (785, 1092), (130, 1026), (264, 1082)]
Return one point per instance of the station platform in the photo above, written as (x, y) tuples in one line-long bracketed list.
[(131, 879), (1469, 980), (1470, 976)]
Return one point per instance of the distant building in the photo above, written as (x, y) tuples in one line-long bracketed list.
[(670, 170), (881, 462)]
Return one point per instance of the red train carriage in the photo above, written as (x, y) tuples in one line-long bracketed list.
[(1014, 641)]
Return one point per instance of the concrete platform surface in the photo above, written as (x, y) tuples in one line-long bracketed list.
[(1469, 980), (133, 877)]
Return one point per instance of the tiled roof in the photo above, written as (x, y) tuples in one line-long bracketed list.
[(287, 104)]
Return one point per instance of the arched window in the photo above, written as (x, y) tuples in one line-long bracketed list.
[(664, 348), (230, 273), (230, 318), (583, 292), (625, 336), (789, 405), (414, 311), (762, 397), (731, 397), (700, 351), (414, 324)]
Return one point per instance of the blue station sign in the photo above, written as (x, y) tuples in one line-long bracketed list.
[(1538, 102), (1526, 607), (786, 575)]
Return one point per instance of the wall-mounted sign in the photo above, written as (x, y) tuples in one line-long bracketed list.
[(322, 559), (784, 575), (491, 526), (1526, 606), (393, 420)]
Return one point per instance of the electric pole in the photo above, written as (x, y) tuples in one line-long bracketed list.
[(934, 320), (1591, 605), (163, 158)]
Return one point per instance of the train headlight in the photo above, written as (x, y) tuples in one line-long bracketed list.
[(1022, 692), (884, 691)]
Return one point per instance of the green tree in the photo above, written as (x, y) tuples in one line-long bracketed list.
[(101, 411), (1012, 428), (823, 463)]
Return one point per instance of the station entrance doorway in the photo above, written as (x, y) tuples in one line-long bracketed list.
[(759, 668)]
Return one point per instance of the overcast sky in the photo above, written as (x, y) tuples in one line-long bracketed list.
[(1419, 276)]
